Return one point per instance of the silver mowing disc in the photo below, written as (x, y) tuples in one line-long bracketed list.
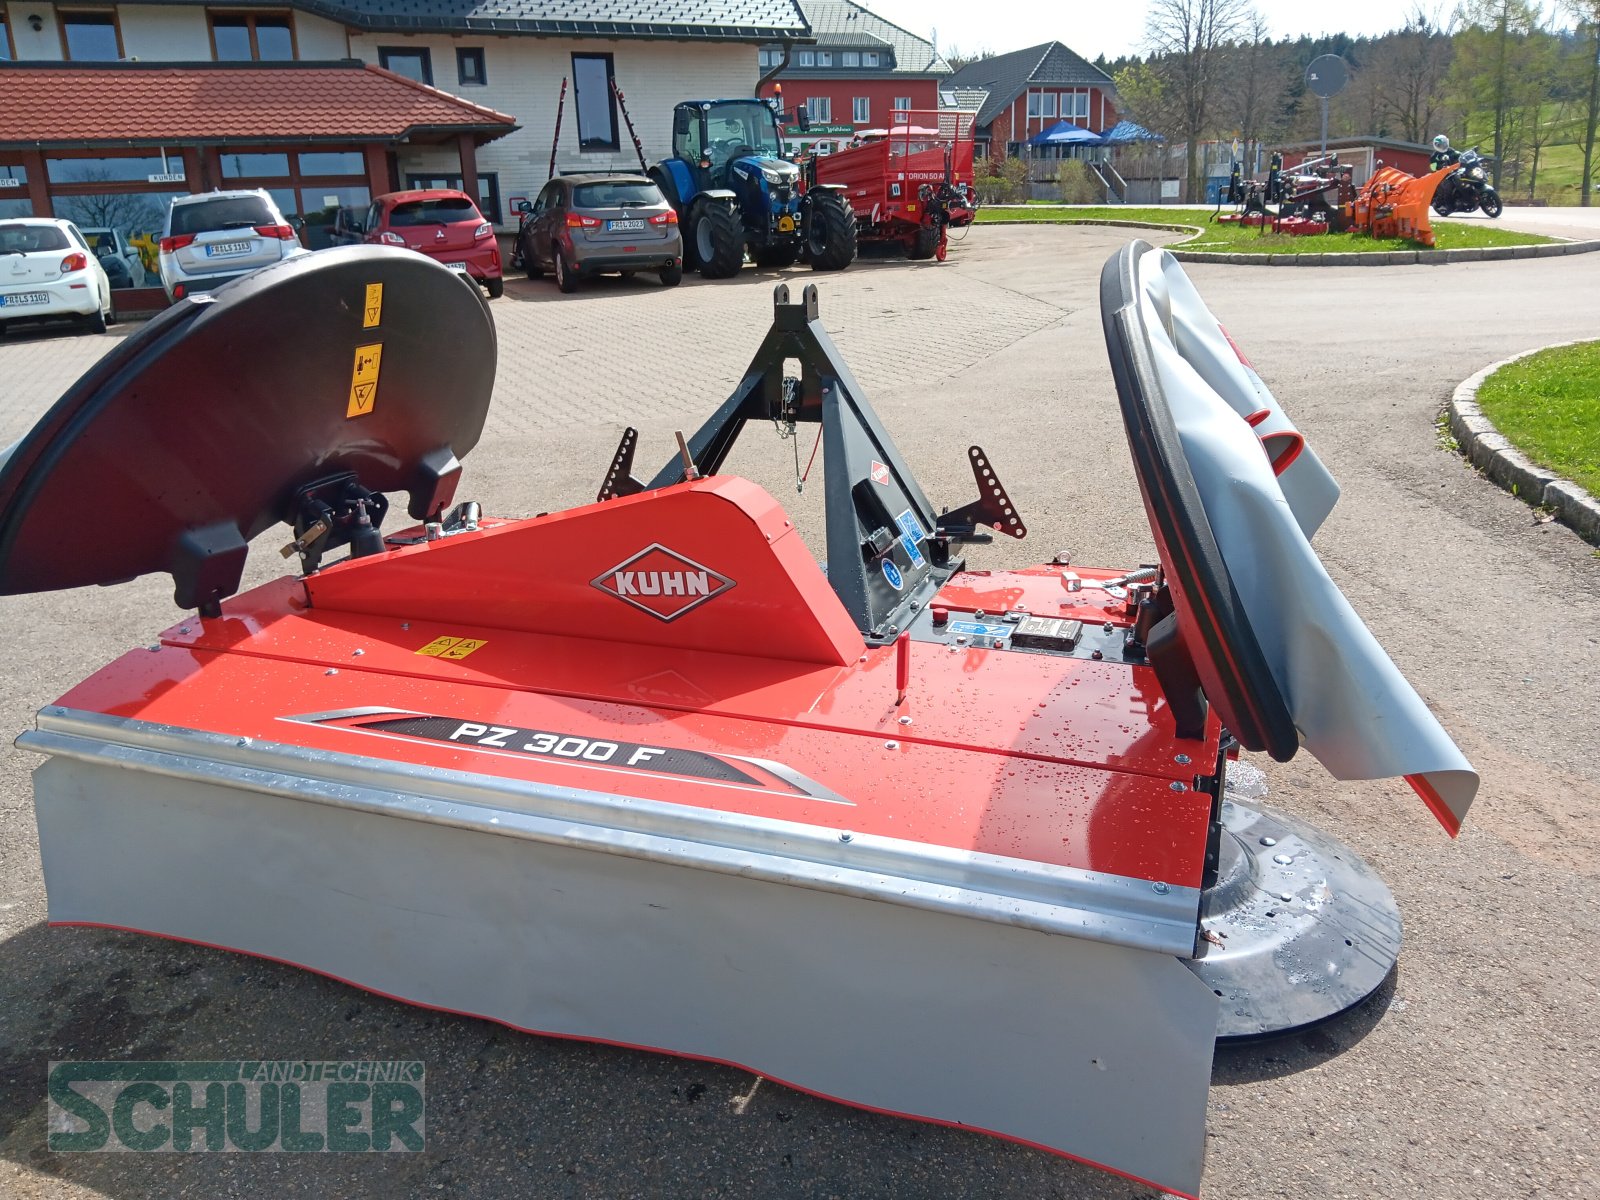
[(1297, 928)]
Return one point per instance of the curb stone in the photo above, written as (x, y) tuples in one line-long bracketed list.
[(1492, 452)]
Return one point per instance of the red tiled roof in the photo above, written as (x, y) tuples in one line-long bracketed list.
[(210, 103)]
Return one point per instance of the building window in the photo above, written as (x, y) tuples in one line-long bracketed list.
[(333, 162), (597, 107), (771, 58), (90, 36), (903, 103), (820, 109), (412, 63), (470, 69), (806, 58), (824, 58), (488, 190), (869, 58), (7, 50), (1041, 104), (852, 58), (1075, 106), (251, 37), (14, 198), (861, 110)]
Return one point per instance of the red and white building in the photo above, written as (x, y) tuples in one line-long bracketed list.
[(858, 72), (1024, 93)]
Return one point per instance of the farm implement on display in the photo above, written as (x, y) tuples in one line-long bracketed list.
[(947, 843), (909, 184), (1319, 196)]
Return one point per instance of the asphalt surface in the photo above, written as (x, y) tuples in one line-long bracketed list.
[(1473, 1073)]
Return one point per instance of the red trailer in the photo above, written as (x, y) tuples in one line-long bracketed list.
[(908, 183)]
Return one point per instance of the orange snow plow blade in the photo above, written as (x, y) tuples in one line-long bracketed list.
[(1395, 205)]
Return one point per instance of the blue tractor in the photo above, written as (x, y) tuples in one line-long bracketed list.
[(734, 190)]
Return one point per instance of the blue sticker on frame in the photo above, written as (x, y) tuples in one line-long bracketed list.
[(891, 573)]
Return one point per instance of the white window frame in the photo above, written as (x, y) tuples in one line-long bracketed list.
[(820, 109), (869, 58), (1078, 103), (902, 102), (806, 58), (851, 58), (861, 110), (824, 58)]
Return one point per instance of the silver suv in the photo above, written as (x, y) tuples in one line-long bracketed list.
[(216, 237)]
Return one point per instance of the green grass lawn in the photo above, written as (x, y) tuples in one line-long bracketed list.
[(1235, 239), (1549, 405)]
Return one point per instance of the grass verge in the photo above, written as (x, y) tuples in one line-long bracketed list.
[(1548, 404), (1235, 239)]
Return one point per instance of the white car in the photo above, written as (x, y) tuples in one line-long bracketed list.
[(48, 270), (213, 238)]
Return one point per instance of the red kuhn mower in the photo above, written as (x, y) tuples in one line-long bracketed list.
[(909, 184), (953, 844)]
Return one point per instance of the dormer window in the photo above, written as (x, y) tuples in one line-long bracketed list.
[(869, 58), (806, 58), (824, 58), (852, 58)]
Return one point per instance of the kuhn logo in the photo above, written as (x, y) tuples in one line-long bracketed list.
[(662, 582)]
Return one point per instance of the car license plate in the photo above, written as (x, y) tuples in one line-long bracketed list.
[(623, 226), (458, 268), (19, 299), (227, 249)]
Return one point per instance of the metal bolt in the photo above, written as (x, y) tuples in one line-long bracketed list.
[(405, 624), (242, 742), (331, 671), (845, 837), (1285, 897), (1176, 786), (1109, 626), (977, 614), (153, 647), (891, 745), (1097, 655), (357, 653), (183, 629), (1283, 860), (1160, 889), (905, 720), (1182, 759), (1269, 841)]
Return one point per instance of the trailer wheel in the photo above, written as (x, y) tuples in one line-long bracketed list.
[(718, 239), (781, 254), (926, 242), (831, 233)]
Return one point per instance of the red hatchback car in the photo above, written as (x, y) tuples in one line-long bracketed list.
[(444, 225)]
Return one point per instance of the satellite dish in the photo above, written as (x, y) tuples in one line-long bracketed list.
[(1327, 75)]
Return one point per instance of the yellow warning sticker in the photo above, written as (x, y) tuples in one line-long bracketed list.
[(364, 380), (372, 311), (452, 647)]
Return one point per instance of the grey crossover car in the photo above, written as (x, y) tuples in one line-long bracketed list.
[(584, 225)]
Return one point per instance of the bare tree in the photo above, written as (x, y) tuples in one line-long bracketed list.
[(1189, 36), (1410, 66)]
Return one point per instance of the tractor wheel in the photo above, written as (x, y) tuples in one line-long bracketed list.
[(718, 239), (1491, 204), (831, 233), (782, 254), (925, 244)]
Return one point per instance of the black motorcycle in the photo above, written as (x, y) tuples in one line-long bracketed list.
[(1468, 189)]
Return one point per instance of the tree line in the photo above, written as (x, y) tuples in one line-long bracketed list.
[(1494, 73)]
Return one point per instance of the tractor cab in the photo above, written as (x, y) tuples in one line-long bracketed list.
[(719, 135)]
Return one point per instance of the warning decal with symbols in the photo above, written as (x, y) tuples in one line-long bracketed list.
[(452, 647), (364, 380), (372, 311)]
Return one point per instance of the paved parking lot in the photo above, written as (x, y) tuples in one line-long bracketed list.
[(1473, 1074)]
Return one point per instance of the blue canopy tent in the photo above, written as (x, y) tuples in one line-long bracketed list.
[(1065, 133), (1125, 132)]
